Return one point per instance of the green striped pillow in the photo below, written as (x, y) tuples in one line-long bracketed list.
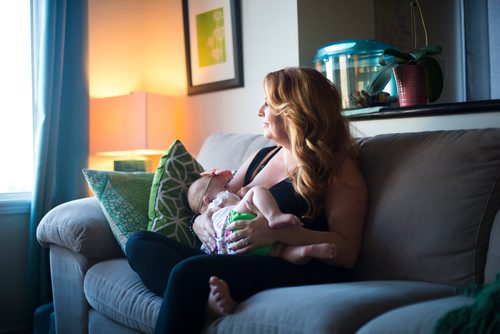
[(169, 212), (123, 197)]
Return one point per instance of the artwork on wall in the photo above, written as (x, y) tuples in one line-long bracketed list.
[(212, 31)]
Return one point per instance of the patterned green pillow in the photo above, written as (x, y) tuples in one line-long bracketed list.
[(123, 197), (169, 212)]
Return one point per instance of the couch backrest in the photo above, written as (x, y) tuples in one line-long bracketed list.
[(229, 150), (433, 197), (432, 200)]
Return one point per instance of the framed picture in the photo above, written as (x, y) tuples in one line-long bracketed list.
[(212, 31)]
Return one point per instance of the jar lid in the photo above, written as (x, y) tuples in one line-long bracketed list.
[(354, 46)]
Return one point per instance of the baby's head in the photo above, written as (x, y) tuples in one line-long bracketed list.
[(205, 189)]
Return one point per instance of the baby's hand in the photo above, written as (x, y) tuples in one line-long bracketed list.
[(215, 172), (243, 191)]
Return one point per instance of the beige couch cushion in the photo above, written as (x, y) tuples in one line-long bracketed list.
[(230, 150), (432, 200), (324, 308)]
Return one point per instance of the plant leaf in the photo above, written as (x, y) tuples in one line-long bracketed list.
[(381, 80), (432, 49), (417, 54), (433, 78), (398, 56)]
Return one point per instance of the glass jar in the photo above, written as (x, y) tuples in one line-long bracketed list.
[(352, 65)]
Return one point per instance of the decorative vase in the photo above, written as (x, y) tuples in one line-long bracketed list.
[(410, 80)]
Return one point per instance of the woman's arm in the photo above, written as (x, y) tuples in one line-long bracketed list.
[(345, 210)]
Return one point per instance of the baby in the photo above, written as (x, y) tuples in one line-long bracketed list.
[(211, 193)]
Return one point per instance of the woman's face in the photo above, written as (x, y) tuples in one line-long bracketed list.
[(274, 126)]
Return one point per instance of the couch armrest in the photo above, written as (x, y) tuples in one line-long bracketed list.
[(492, 268), (80, 226)]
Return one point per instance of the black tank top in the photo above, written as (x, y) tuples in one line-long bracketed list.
[(289, 201)]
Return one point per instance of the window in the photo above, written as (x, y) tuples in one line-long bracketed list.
[(16, 129)]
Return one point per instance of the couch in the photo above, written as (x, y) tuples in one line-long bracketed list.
[(432, 227)]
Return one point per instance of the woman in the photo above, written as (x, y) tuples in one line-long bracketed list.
[(312, 173)]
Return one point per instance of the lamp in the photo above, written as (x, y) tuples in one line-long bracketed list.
[(134, 125)]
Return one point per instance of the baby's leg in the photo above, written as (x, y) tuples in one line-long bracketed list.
[(266, 204), (220, 301), (302, 254)]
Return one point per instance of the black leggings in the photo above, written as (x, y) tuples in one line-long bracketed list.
[(180, 273)]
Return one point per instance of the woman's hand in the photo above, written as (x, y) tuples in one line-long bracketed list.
[(250, 234), (204, 229)]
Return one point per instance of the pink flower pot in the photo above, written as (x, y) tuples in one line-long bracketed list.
[(410, 80)]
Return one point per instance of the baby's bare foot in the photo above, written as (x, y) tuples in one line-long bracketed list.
[(322, 251), (220, 301)]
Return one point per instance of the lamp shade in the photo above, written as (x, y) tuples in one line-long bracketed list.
[(137, 123)]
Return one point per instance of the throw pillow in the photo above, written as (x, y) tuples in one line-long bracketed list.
[(123, 196), (483, 316), (169, 212)]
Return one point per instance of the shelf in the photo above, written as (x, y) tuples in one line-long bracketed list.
[(470, 107)]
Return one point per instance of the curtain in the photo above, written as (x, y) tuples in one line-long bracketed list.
[(477, 64), (494, 25), (60, 120)]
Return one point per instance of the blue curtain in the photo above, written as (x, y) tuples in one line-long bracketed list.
[(60, 120), (482, 49), (477, 50)]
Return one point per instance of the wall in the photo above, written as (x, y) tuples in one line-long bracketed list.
[(163, 50), (15, 315), (444, 25), (115, 47), (136, 46), (329, 21)]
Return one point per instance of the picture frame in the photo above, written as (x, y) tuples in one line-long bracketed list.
[(212, 33)]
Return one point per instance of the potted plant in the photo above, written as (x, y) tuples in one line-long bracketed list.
[(418, 75)]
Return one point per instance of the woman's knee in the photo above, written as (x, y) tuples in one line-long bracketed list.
[(192, 267), (136, 242)]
